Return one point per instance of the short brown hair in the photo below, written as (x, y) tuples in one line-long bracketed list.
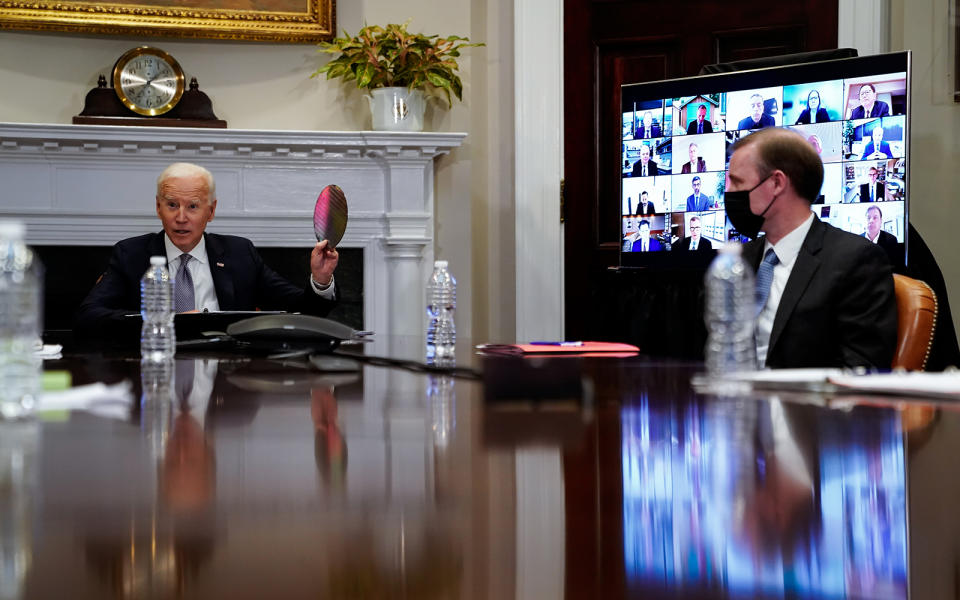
[(787, 151)]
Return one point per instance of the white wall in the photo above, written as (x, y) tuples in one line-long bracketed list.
[(926, 28), (266, 86)]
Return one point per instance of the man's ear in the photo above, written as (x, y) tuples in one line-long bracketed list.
[(213, 209)]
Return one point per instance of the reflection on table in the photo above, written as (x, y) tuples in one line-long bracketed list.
[(549, 478)]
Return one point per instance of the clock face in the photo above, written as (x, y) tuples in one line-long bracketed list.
[(148, 81)]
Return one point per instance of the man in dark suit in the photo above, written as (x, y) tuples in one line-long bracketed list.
[(876, 148), (831, 301), (694, 241), (874, 233), (872, 191), (696, 201), (210, 272), (645, 243), (648, 129), (645, 207), (757, 118), (869, 105), (696, 164), (701, 125), (644, 167)]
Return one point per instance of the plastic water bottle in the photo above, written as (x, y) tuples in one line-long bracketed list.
[(730, 313), (158, 341), (20, 322), (441, 304)]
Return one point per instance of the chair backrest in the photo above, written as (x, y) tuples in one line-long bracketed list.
[(917, 314)]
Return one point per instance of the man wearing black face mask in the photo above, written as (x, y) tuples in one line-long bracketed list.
[(824, 296)]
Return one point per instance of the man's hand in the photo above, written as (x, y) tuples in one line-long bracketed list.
[(323, 261)]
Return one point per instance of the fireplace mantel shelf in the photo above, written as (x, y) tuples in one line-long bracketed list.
[(94, 185)]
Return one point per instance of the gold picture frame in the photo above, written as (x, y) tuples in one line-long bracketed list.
[(294, 21)]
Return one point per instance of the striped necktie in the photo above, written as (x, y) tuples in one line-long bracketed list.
[(765, 278), (183, 299)]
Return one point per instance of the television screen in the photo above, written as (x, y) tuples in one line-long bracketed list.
[(677, 137)]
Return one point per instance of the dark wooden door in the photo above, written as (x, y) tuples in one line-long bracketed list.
[(608, 43)]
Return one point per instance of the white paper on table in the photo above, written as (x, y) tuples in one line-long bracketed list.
[(111, 401), (938, 385)]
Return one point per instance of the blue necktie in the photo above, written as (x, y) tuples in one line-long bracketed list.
[(183, 287), (700, 128), (765, 278)]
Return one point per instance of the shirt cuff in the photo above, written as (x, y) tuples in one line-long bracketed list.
[(324, 291)]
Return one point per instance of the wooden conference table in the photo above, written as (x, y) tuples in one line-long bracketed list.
[(559, 478)]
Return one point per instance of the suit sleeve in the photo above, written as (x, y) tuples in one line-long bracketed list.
[(867, 310), (114, 295)]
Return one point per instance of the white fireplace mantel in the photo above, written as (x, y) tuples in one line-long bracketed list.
[(94, 185)]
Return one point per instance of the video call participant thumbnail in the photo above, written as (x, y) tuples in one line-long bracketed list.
[(757, 119), (694, 241), (645, 243), (876, 148), (644, 167), (813, 113), (697, 201), (645, 206), (875, 233), (869, 105), (829, 298), (648, 128), (696, 164), (701, 125), (872, 191)]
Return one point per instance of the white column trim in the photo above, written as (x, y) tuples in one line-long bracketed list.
[(864, 25), (538, 83)]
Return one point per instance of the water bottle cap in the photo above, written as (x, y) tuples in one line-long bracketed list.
[(440, 264), (10, 229), (158, 260)]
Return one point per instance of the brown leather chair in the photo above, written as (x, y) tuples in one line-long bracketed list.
[(917, 313)]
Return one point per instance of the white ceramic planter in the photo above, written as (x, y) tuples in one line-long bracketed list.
[(397, 109)]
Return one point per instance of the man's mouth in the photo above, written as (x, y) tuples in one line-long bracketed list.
[(181, 231)]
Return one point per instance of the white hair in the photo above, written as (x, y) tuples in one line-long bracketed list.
[(182, 169)]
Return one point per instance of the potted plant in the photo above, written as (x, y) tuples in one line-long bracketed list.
[(397, 67)]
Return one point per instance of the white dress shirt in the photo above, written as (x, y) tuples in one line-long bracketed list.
[(205, 295), (787, 250)]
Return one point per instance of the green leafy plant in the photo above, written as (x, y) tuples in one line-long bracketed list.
[(393, 57)]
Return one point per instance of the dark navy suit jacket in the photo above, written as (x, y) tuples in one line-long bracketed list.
[(240, 278), (838, 307)]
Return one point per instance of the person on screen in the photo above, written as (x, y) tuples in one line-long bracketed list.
[(645, 207), (648, 129), (701, 125), (876, 148), (645, 243), (757, 118), (869, 105), (831, 302), (815, 143), (644, 167), (813, 113), (873, 190), (696, 164), (211, 272), (696, 201), (694, 241), (875, 233)]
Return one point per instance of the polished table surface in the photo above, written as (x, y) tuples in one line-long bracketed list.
[(544, 478)]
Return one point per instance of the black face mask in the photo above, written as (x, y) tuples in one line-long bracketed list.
[(737, 205)]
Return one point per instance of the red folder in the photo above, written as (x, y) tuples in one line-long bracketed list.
[(577, 348)]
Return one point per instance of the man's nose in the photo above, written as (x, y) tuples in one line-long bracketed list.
[(181, 214)]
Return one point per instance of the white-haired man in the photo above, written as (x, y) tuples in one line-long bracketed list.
[(223, 273)]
